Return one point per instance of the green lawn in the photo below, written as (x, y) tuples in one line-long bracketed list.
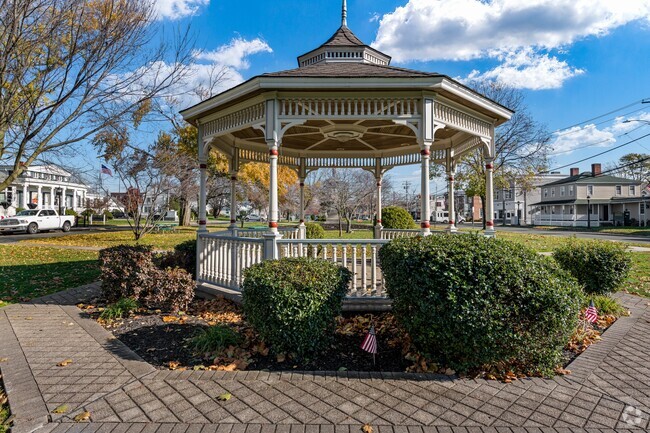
[(630, 231), (32, 272), (639, 279)]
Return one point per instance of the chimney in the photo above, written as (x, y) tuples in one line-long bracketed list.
[(595, 169), (574, 171)]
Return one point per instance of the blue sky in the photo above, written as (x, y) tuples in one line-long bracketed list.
[(574, 59)]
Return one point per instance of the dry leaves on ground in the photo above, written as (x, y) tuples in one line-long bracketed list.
[(224, 397), (366, 428), (61, 409), (83, 416), (64, 363)]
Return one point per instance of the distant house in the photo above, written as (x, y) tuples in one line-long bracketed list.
[(37, 188), (591, 198)]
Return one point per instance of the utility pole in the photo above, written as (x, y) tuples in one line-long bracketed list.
[(406, 185)]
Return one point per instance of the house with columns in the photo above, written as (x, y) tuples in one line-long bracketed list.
[(37, 188), (343, 106)]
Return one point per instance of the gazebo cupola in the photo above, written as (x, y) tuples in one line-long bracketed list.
[(344, 47)]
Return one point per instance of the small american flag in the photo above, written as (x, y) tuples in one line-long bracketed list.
[(591, 314), (370, 342), (106, 170)]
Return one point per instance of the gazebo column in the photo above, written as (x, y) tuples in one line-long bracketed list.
[(302, 176), (451, 171), (425, 210), (378, 178), (203, 167), (273, 189), (234, 170), (489, 197)]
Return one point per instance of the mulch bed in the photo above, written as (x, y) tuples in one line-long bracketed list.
[(163, 340)]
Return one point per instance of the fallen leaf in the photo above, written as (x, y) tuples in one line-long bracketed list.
[(4, 359), (173, 365), (64, 363), (367, 428), (224, 397), (29, 318), (83, 416), (61, 409), (169, 319)]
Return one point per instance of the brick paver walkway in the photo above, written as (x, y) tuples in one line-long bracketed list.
[(608, 389)]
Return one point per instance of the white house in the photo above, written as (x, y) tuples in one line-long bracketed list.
[(37, 188)]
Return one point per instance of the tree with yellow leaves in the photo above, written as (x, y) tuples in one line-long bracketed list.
[(72, 68)]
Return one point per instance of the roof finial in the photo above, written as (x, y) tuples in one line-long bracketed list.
[(344, 14)]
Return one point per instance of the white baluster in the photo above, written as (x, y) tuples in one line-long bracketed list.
[(373, 270), (364, 258), (354, 269)]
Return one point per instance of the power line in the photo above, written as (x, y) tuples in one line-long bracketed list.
[(598, 154), (639, 101)]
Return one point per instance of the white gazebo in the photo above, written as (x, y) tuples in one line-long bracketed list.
[(344, 106)]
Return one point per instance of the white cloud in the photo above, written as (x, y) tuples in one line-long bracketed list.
[(374, 16), (212, 72), (518, 33), (526, 69), (175, 9), (571, 139), (465, 29), (235, 53)]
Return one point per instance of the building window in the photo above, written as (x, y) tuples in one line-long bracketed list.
[(571, 210), (571, 190), (496, 195), (507, 194), (552, 192), (590, 190), (545, 192), (642, 208), (632, 190), (553, 210), (562, 191), (619, 190)]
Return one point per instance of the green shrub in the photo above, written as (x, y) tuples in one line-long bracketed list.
[(394, 217), (183, 256), (601, 267), (107, 214), (214, 339), (607, 305), (468, 301), (71, 212), (120, 309), (293, 302), (126, 271), (315, 231), (131, 272), (171, 290)]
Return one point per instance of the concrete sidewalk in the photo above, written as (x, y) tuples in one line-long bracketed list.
[(609, 387)]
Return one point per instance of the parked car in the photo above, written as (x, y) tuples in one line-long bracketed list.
[(440, 217), (34, 220)]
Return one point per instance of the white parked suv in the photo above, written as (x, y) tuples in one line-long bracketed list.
[(34, 220)]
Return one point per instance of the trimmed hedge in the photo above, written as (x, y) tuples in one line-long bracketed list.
[(393, 217), (601, 267), (131, 272), (183, 256), (293, 303), (468, 301), (314, 231)]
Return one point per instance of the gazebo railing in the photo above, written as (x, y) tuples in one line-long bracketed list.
[(399, 233), (221, 259), (286, 232), (360, 256)]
